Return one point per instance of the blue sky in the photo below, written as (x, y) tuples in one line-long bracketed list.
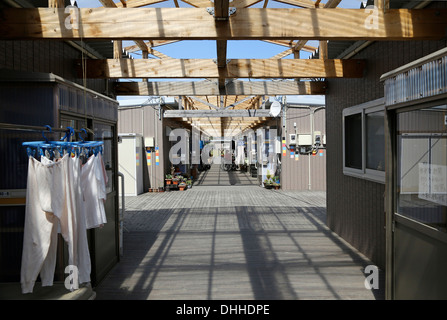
[(235, 49)]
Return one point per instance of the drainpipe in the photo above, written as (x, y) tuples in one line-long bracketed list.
[(121, 216)]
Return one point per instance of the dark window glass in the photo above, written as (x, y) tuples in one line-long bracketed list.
[(353, 141), (375, 141)]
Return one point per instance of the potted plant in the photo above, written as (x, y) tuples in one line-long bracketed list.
[(175, 180), (168, 178), (276, 185), (182, 186), (268, 183), (189, 183)]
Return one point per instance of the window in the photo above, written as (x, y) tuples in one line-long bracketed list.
[(422, 166), (364, 141)]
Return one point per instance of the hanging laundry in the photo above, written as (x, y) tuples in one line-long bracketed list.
[(93, 186), (66, 197)]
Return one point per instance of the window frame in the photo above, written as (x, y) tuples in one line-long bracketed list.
[(363, 109)]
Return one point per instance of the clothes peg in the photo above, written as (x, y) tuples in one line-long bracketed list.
[(83, 130), (43, 134)]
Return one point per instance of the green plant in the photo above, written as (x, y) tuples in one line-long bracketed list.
[(268, 181), (169, 176)]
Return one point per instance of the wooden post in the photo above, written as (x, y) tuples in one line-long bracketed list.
[(117, 49), (56, 3)]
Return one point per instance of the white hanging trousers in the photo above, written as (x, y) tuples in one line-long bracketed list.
[(44, 201), (53, 199)]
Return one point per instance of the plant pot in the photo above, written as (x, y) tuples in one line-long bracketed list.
[(174, 181), (277, 187), (168, 181), (268, 186)]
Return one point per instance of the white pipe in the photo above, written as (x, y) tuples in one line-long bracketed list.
[(121, 217)]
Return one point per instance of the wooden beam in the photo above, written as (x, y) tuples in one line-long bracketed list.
[(323, 50), (221, 14), (221, 8), (199, 3), (330, 4), (137, 3), (226, 113), (149, 44), (299, 3), (108, 3), (282, 54), (287, 43), (117, 49), (248, 24), (56, 3), (159, 54), (243, 3), (236, 68), (211, 88)]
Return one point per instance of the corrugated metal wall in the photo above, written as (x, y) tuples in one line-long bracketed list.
[(55, 57), (307, 171), (145, 121), (39, 104)]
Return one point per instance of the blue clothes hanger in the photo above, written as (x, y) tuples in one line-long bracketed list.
[(63, 145)]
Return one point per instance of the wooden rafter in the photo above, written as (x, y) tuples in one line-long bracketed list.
[(299, 3), (149, 44), (248, 24), (209, 88), (137, 3), (236, 68), (221, 14)]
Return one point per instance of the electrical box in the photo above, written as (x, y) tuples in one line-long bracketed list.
[(278, 145), (317, 138), (304, 139), (324, 139), (149, 142), (292, 139)]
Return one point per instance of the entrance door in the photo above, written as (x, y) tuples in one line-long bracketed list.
[(420, 218)]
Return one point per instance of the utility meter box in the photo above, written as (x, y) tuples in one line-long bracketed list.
[(305, 139), (149, 142), (292, 139), (317, 138)]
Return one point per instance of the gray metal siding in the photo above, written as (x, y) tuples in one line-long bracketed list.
[(295, 173), (355, 207), (55, 57), (145, 121)]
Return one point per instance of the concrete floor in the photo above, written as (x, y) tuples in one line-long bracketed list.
[(227, 238)]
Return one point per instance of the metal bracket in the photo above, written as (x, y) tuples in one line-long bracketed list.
[(226, 61), (231, 11)]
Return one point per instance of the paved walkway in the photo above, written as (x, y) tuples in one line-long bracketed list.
[(233, 241)]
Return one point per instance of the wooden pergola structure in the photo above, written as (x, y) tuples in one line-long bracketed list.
[(221, 88)]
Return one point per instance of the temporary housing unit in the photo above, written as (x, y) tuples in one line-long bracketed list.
[(34, 100), (385, 136)]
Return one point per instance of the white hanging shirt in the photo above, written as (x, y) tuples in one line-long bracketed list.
[(93, 185)]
